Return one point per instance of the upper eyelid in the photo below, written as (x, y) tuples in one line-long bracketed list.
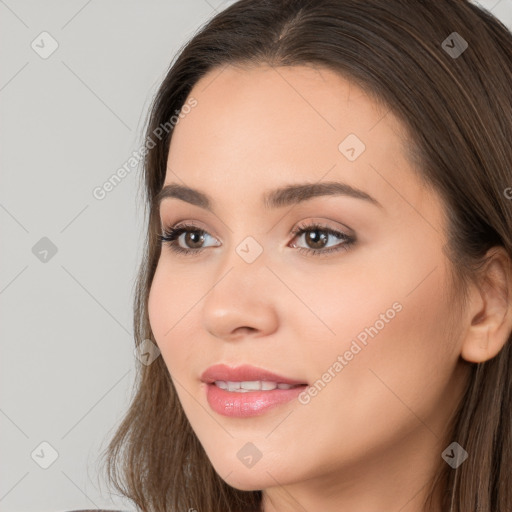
[(313, 220)]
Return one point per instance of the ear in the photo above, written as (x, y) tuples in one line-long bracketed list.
[(490, 309)]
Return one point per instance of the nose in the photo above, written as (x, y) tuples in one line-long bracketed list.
[(241, 301)]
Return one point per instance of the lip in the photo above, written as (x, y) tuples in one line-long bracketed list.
[(250, 403), (242, 373)]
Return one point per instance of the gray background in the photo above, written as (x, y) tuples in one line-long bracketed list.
[(68, 122)]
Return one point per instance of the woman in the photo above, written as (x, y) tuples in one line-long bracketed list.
[(328, 272)]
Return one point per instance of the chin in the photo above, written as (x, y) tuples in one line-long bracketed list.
[(247, 479), (248, 482)]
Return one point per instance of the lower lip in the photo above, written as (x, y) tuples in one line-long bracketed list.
[(251, 403)]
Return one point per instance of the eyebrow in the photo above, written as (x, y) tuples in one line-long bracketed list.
[(278, 198)]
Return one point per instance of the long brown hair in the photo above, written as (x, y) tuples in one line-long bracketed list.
[(457, 110)]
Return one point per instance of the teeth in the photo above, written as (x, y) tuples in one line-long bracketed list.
[(233, 386), (251, 385)]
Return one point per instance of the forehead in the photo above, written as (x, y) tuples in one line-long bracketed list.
[(261, 127), (281, 105)]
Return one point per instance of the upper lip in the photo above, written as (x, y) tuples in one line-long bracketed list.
[(244, 373)]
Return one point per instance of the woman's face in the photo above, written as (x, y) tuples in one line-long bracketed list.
[(362, 321)]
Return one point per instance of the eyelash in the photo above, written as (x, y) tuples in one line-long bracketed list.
[(171, 235)]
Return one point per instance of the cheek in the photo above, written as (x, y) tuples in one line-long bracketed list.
[(357, 301), (159, 295), (388, 300), (391, 355), (169, 304), (388, 322)]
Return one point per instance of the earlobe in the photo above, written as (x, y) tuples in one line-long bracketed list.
[(491, 314), (476, 347)]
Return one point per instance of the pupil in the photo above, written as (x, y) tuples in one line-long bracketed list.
[(314, 239), (189, 238)]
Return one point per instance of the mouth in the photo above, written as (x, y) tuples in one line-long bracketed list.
[(246, 391), (253, 385), (249, 377)]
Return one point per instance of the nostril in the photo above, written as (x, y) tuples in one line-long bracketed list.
[(245, 329)]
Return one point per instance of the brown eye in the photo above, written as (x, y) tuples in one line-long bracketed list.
[(190, 236), (316, 238), (194, 239)]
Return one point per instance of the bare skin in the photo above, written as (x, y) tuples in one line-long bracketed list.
[(373, 436)]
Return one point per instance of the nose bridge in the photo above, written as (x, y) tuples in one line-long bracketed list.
[(245, 247), (243, 267)]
